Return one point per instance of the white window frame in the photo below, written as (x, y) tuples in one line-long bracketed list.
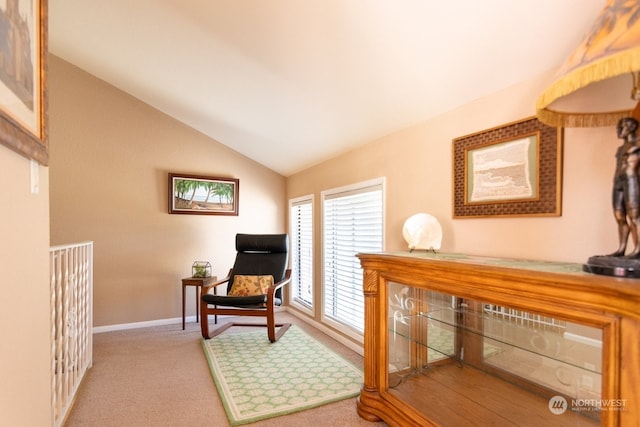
[(353, 188), (293, 300)]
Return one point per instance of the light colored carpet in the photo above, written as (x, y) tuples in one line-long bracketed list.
[(258, 380), (159, 377)]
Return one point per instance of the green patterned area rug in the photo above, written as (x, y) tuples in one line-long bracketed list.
[(258, 380)]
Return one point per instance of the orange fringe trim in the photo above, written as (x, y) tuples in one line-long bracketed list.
[(615, 65)]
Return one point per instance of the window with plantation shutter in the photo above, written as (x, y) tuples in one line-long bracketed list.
[(352, 223), (301, 232)]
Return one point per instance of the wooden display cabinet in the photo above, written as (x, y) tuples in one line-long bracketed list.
[(459, 340)]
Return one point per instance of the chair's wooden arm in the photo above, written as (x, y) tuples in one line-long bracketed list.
[(273, 288), (207, 288), (285, 281)]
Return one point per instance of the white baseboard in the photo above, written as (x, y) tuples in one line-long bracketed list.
[(146, 324), (584, 340), (149, 323), (136, 325), (358, 348)]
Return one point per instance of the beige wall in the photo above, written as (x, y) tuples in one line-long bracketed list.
[(25, 365), (110, 156), (417, 165), (109, 149)]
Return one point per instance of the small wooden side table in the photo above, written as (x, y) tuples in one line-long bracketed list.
[(198, 282)]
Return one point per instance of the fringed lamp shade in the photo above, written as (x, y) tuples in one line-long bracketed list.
[(606, 62)]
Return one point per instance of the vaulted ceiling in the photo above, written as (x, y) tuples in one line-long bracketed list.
[(290, 83)]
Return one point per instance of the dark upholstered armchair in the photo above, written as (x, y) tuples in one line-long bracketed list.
[(254, 284)]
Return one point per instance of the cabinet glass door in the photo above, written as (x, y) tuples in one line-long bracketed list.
[(561, 356), (503, 364)]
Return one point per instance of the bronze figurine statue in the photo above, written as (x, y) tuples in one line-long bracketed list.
[(626, 188), (626, 207)]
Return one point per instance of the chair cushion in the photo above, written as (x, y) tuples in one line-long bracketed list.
[(253, 302), (244, 286), (260, 255)]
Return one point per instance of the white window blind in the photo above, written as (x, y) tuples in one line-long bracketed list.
[(301, 224), (353, 223)]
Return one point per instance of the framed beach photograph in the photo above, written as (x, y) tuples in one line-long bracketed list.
[(23, 103), (203, 195), (503, 171), (510, 170)]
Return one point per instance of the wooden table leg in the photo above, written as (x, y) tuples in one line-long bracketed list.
[(183, 292), (215, 316), (198, 294)]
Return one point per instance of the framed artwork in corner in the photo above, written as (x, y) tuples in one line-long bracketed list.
[(23, 78), (510, 170), (203, 195)]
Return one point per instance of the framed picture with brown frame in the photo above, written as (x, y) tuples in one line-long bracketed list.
[(203, 195), (23, 82), (510, 170)]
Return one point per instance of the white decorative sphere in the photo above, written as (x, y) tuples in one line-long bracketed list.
[(422, 231)]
